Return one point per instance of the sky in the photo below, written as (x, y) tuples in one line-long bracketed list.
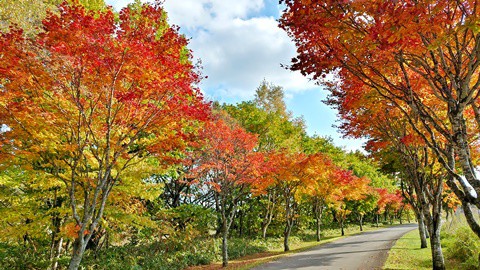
[(240, 45)]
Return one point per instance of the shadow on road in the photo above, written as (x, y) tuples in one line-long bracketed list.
[(363, 251)]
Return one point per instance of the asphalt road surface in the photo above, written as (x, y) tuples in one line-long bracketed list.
[(363, 251)]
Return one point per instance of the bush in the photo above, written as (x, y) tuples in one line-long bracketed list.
[(17, 256), (238, 247), (462, 246)]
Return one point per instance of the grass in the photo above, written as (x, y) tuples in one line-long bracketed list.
[(460, 248), (407, 254)]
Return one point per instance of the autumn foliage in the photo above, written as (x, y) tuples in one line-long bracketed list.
[(88, 98), (107, 143)]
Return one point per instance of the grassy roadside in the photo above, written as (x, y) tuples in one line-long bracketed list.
[(407, 254), (460, 248), (253, 260)]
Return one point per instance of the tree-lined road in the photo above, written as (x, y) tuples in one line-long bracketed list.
[(363, 251)]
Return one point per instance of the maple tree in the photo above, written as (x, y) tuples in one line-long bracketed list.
[(349, 188), (419, 56), (89, 100), (320, 183), (287, 176), (365, 205), (422, 181), (229, 167)]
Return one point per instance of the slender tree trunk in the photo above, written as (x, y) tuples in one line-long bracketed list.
[(341, 226), (78, 249), (318, 232), (361, 222), (241, 224), (288, 227), (286, 236), (376, 219), (422, 231), (266, 222), (318, 209), (264, 231), (224, 244), (58, 251), (437, 254), (432, 218), (290, 208), (267, 219)]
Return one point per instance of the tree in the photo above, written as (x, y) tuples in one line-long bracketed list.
[(363, 206), (288, 175), (349, 188), (270, 97), (391, 139), (89, 100), (268, 117), (229, 167), (419, 56), (320, 183)]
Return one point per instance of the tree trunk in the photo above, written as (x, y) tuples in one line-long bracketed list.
[(341, 226), (264, 231), (361, 222), (58, 251), (266, 222), (267, 219), (289, 219), (78, 249), (437, 254), (286, 235), (241, 224), (318, 232), (433, 220), (422, 231), (288, 227), (318, 209), (224, 245), (376, 220)]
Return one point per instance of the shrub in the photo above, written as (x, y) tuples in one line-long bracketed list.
[(462, 246), (238, 247)]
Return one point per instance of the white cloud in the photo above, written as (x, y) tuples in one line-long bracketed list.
[(237, 45), (194, 14), (238, 50)]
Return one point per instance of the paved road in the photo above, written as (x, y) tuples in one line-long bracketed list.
[(363, 251)]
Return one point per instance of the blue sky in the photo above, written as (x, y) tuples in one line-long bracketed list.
[(240, 45)]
